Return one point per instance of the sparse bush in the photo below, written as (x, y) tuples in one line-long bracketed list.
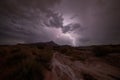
[(40, 47), (29, 71), (15, 59), (2, 54), (81, 58), (78, 58), (66, 50), (87, 76), (15, 50), (99, 51)]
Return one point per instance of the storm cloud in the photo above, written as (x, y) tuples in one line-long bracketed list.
[(24, 21), (71, 22), (100, 20)]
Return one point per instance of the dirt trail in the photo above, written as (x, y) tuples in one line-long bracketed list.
[(65, 69)]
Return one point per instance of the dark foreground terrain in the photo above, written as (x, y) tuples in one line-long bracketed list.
[(48, 61)]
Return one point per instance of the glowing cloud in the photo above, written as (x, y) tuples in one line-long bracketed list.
[(59, 35), (68, 19)]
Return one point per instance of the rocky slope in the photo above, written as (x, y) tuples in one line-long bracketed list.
[(48, 61)]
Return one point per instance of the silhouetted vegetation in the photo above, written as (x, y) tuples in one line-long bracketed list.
[(2, 53), (88, 77), (100, 51), (15, 59), (116, 78), (15, 50)]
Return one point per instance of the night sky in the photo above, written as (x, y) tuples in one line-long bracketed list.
[(66, 22)]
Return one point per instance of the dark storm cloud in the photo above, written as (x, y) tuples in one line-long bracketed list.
[(72, 27), (98, 21), (23, 20), (54, 20)]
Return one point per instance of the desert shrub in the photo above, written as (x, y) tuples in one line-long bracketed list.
[(88, 76), (66, 50), (113, 49), (44, 57), (2, 53), (27, 72), (33, 69), (78, 56), (56, 48), (15, 50), (100, 51), (18, 75), (40, 47), (116, 78), (14, 59), (22, 63), (81, 58), (34, 53)]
